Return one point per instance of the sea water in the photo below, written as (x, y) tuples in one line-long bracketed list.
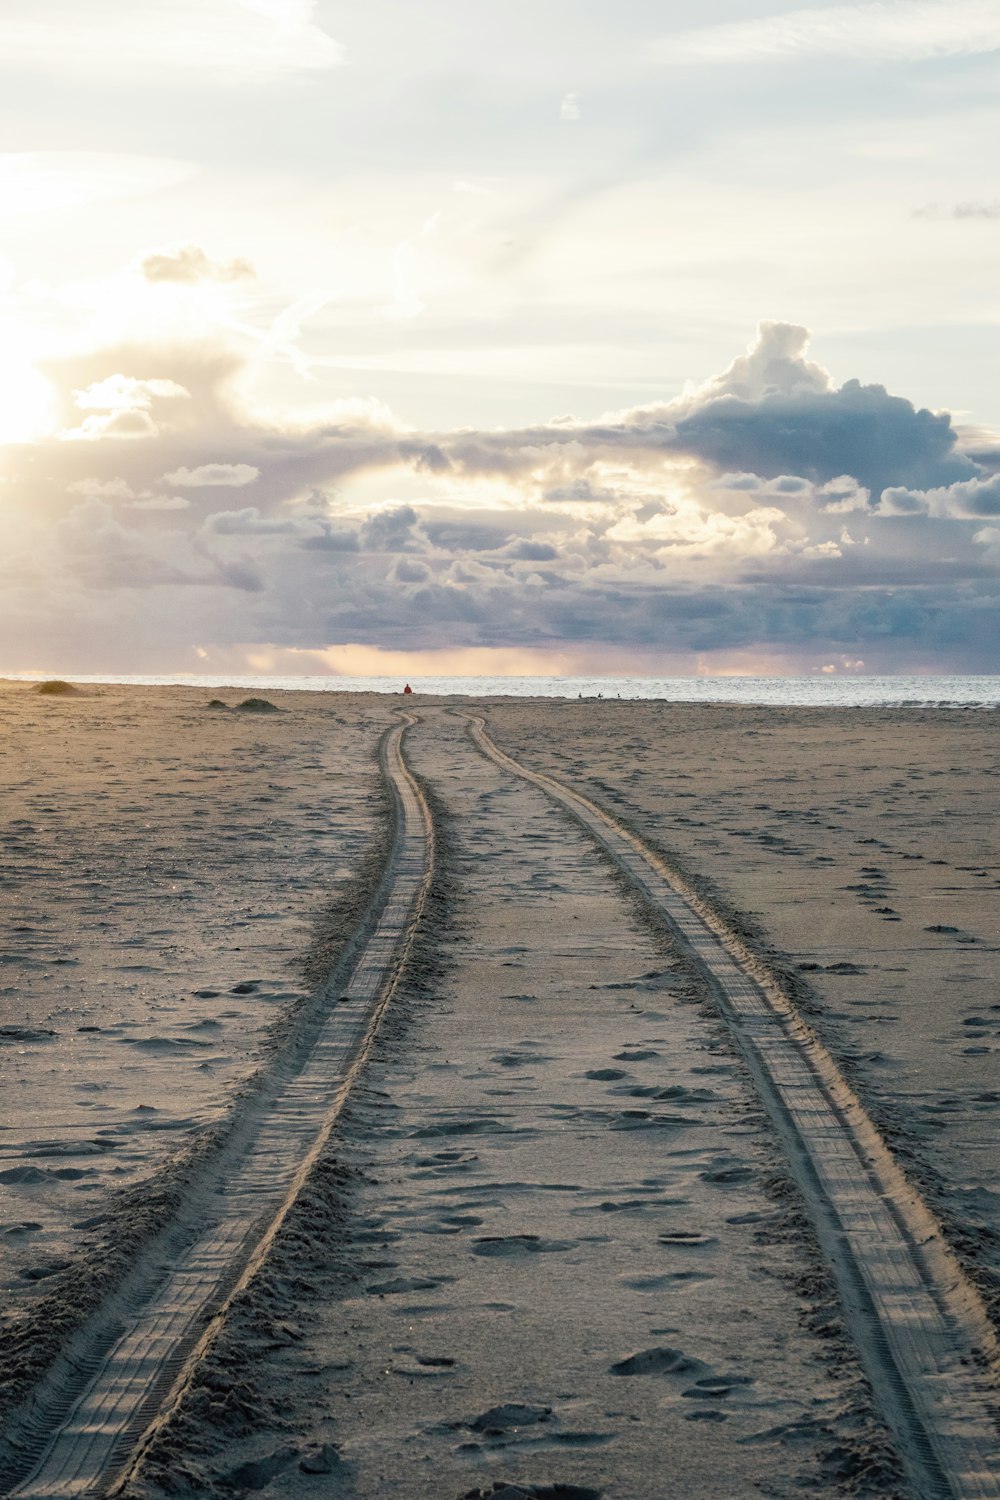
[(814, 691)]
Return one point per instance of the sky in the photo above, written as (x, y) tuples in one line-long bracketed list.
[(656, 338)]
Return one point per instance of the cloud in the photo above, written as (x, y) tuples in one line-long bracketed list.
[(525, 550), (160, 502), (409, 570), (389, 530), (842, 495), (120, 489), (879, 31), (772, 412), (96, 489), (45, 182), (231, 475), (774, 364), (188, 264), (232, 37), (741, 516), (121, 407), (123, 393), (250, 522), (775, 413), (970, 208), (968, 500)]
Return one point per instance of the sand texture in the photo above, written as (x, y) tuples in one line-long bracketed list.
[(163, 868), (864, 846), (553, 1241)]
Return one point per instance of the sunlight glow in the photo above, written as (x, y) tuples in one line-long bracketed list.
[(27, 401)]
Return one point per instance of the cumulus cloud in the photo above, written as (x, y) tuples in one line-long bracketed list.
[(389, 530), (409, 570), (796, 424), (121, 406), (772, 412), (250, 522), (189, 264), (766, 507), (123, 393), (230, 475), (775, 364), (969, 500)]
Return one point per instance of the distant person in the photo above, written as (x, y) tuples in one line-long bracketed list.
[(407, 689)]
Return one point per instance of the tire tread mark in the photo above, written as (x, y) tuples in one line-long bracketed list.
[(86, 1436), (922, 1330)]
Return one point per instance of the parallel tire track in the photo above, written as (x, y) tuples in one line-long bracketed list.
[(920, 1326), (92, 1419)]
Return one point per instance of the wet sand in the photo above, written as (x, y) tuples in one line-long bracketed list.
[(555, 1243)]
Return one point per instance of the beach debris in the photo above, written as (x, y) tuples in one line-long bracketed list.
[(55, 688), (217, 703)]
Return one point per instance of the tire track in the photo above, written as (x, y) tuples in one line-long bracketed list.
[(90, 1422), (921, 1328)]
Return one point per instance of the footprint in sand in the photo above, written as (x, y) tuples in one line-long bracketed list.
[(727, 1174), (661, 1361), (28, 1176), (500, 1490), (715, 1386), (44, 1271), (687, 1239), (670, 1281), (509, 1417), (515, 1245), (402, 1284)]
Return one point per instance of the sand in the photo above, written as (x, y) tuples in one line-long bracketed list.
[(864, 847), (163, 868), (554, 1243)]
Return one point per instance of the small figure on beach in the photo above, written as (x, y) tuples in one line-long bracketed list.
[(407, 689)]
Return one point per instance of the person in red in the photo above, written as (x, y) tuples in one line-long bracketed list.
[(407, 689)]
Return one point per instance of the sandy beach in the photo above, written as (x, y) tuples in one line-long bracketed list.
[(863, 847), (164, 866), (552, 1246)]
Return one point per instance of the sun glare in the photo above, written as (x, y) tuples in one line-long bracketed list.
[(27, 401)]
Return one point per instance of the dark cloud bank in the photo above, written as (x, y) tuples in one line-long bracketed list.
[(768, 511)]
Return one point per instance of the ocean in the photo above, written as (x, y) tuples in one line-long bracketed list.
[(814, 691)]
